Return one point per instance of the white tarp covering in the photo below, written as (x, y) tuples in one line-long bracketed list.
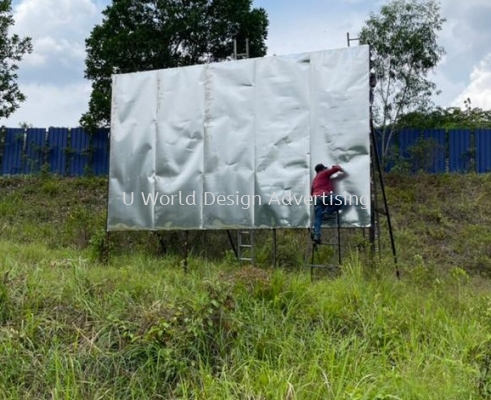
[(233, 145)]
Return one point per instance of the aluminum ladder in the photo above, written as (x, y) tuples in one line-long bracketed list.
[(245, 246), (336, 245)]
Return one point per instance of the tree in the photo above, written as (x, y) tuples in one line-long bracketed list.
[(141, 35), (12, 50), (404, 49)]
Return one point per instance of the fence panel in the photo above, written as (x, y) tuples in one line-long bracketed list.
[(79, 145), (12, 152), (435, 163), (459, 150), (407, 139), (35, 150), (483, 150), (100, 143), (57, 140)]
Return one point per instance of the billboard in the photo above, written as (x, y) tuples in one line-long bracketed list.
[(233, 145)]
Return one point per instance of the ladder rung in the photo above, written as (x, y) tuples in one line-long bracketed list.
[(245, 259), (247, 246)]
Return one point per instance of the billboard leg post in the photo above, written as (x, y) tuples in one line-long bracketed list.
[(274, 248), (338, 228), (377, 178), (186, 243), (105, 249), (232, 244), (163, 247)]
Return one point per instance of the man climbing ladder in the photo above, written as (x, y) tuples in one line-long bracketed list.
[(326, 201)]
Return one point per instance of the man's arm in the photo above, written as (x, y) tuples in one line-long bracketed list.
[(331, 171), (343, 175)]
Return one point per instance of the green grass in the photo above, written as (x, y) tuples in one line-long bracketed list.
[(140, 327), (446, 219)]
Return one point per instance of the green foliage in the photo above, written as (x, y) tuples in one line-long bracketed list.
[(60, 211), (422, 273), (25, 125), (142, 35), (100, 246), (403, 40), (12, 50), (447, 118)]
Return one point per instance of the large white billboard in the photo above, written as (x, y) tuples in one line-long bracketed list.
[(233, 145)]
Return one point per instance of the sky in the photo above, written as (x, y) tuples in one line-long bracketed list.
[(52, 77)]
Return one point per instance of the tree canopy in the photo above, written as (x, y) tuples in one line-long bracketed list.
[(12, 50), (403, 40), (141, 35)]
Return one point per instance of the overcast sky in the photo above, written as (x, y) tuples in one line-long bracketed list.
[(52, 76)]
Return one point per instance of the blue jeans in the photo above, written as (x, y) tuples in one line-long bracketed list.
[(324, 207)]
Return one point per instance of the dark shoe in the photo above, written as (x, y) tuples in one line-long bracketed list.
[(317, 239)]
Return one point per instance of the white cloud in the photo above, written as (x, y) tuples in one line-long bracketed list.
[(65, 24), (479, 90), (465, 36), (51, 105), (70, 16)]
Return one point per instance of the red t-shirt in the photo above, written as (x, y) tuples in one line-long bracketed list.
[(322, 183)]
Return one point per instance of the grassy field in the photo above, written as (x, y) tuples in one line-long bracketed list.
[(141, 327)]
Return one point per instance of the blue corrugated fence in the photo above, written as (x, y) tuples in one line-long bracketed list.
[(436, 156), (101, 152), (483, 150), (74, 152), (407, 140), (12, 158), (460, 150), (34, 153), (79, 145), (57, 140), (63, 151), (439, 151)]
